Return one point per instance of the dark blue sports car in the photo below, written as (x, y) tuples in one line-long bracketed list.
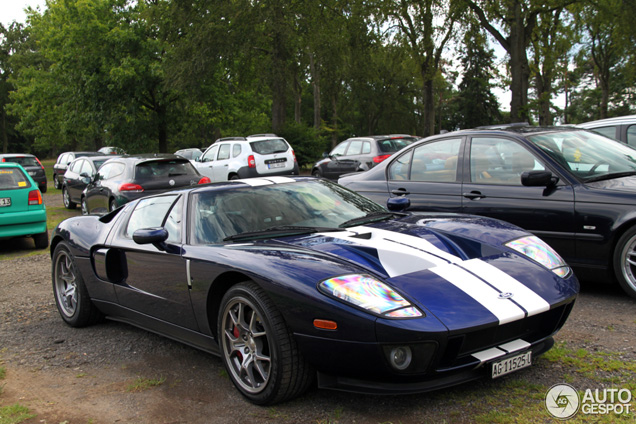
[(296, 280)]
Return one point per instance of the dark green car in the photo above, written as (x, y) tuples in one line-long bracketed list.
[(22, 211)]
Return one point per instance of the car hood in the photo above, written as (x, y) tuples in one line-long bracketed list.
[(624, 184), (460, 280)]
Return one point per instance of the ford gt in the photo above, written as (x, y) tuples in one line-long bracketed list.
[(294, 281)]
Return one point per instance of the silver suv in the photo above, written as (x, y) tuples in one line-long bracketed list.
[(259, 155), (622, 128)]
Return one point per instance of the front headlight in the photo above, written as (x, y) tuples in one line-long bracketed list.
[(370, 294), (537, 250)]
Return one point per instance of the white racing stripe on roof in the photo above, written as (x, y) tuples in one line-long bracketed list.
[(522, 295), (398, 253), (504, 309)]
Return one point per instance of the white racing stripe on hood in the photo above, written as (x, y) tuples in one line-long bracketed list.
[(263, 181), (521, 294), (504, 309), (399, 254)]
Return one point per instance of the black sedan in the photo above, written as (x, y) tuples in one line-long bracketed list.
[(573, 188), (289, 279), (126, 178), (76, 177), (62, 163)]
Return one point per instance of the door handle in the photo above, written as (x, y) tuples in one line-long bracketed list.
[(474, 195), (400, 192)]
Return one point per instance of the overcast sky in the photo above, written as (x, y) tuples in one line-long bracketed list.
[(13, 10)]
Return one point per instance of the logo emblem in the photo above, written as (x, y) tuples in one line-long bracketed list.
[(171, 182), (506, 295), (562, 401)]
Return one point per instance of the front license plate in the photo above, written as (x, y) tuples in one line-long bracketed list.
[(514, 363), (5, 201)]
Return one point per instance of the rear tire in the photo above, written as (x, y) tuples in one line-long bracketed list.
[(84, 206), (71, 297), (625, 262), (56, 182), (112, 205), (66, 199), (41, 240), (257, 349)]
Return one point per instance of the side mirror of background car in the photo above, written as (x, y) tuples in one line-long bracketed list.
[(156, 236), (86, 179), (538, 179), (398, 204)]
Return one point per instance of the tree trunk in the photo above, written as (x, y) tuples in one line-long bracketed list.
[(315, 76), (5, 138), (519, 69), (428, 124), (334, 120), (162, 122)]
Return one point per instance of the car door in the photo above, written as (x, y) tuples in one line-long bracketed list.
[(98, 191), (72, 179), (220, 167), (156, 280), (205, 164), (492, 187), (350, 161), (430, 175), (331, 168)]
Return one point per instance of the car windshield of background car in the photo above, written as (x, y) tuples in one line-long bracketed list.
[(266, 147), (12, 178), (589, 156)]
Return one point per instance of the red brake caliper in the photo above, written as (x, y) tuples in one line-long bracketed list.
[(236, 334)]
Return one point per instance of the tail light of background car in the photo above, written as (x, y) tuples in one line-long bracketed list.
[(204, 180), (35, 198), (294, 155), (41, 166), (251, 162), (380, 158), (131, 187)]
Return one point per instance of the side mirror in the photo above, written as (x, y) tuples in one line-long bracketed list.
[(538, 179), (85, 179), (156, 236), (398, 204)]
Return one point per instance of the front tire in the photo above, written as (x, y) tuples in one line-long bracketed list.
[(258, 350), (71, 297), (625, 262)]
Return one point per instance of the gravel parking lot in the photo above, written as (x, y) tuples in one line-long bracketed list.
[(115, 373)]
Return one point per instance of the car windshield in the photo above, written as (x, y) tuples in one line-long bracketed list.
[(163, 169), (267, 147), (12, 178), (318, 204), (23, 160), (587, 155)]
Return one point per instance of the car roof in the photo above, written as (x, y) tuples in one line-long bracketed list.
[(95, 158), (382, 137), (15, 155), (147, 157), (628, 119)]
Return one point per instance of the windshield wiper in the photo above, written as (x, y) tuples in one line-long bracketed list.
[(609, 176), (370, 217), (282, 230)]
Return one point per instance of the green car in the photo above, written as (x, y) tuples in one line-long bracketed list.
[(22, 211)]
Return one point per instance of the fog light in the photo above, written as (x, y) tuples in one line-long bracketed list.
[(400, 357)]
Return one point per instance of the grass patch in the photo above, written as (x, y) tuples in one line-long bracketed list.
[(141, 384), (14, 414), (3, 373)]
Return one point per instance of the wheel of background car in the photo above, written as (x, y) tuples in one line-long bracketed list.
[(316, 173), (112, 205), (56, 183), (66, 199), (71, 296), (257, 349), (233, 177), (41, 240), (43, 189), (84, 206), (625, 261)]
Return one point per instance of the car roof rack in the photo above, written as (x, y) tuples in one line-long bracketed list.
[(262, 135), (503, 126), (229, 139)]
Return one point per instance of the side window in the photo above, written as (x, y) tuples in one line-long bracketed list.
[(236, 150), (210, 155), (607, 132), (366, 148), (76, 166), (117, 169), (63, 159), (500, 161), (86, 168), (355, 148), (224, 151), (399, 169), (150, 213), (631, 135), (104, 171), (436, 161), (340, 149)]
